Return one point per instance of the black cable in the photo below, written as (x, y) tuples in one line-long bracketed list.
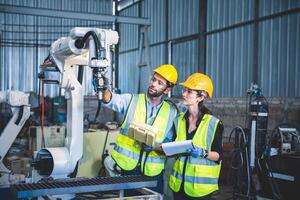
[(21, 112), (238, 152), (104, 153), (80, 73), (146, 157), (105, 143), (274, 186), (98, 110), (79, 43)]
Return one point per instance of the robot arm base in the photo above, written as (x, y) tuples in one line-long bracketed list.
[(53, 162)]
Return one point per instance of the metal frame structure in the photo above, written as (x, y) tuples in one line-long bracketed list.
[(72, 15), (203, 33), (115, 20), (111, 19)]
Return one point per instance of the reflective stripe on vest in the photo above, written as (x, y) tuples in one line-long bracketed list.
[(200, 175), (198, 180), (127, 152)]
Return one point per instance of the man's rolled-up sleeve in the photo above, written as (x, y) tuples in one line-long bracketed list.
[(119, 103)]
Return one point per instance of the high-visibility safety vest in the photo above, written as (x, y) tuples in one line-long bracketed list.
[(200, 174), (127, 151)]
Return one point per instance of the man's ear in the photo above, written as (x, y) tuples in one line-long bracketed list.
[(167, 90)]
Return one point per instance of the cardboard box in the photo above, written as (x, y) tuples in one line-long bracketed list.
[(21, 166)]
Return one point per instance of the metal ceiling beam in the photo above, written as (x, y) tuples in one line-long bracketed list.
[(127, 3), (72, 15)]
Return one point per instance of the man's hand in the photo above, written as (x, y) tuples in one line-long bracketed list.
[(146, 148), (159, 149), (195, 152), (106, 96)]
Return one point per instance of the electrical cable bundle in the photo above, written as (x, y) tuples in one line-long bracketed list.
[(240, 161)]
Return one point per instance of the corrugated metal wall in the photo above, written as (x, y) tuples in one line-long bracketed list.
[(224, 13), (185, 58), (229, 61), (25, 40), (129, 34), (178, 26), (183, 18), (229, 53), (279, 50), (267, 7), (154, 10)]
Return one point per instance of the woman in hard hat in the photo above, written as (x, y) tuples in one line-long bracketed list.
[(195, 174)]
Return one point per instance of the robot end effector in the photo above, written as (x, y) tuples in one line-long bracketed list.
[(99, 52), (95, 41)]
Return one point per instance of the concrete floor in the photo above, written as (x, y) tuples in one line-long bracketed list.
[(224, 193)]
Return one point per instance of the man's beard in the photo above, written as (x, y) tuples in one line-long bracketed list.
[(155, 94)]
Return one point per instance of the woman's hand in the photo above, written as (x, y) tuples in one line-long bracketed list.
[(195, 152)]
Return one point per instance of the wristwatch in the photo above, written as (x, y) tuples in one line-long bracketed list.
[(205, 154)]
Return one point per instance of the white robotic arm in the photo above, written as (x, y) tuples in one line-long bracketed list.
[(84, 46), (21, 112)]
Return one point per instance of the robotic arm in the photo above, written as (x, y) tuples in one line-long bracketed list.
[(84, 46), (74, 50), (21, 112)]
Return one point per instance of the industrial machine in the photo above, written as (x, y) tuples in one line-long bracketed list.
[(250, 145), (264, 164), (281, 162), (85, 47), (285, 140), (20, 107)]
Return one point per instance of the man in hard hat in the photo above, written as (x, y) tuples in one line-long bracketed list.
[(149, 108)]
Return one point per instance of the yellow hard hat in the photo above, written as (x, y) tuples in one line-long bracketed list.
[(198, 81), (168, 72)]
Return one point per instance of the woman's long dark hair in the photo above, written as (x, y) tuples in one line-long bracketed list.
[(201, 108)]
